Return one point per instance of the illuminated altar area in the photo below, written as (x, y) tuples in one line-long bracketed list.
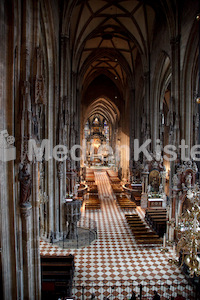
[(97, 134)]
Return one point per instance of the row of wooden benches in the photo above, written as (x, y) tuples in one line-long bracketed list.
[(157, 219), (93, 202), (124, 202), (117, 188), (113, 177), (142, 234), (90, 177)]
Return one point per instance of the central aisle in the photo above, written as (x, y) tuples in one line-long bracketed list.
[(114, 256)]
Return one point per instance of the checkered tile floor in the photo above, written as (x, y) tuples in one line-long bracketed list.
[(114, 257)]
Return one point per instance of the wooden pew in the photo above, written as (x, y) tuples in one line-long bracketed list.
[(117, 188), (93, 202), (93, 189), (57, 274), (157, 219), (125, 203), (142, 234)]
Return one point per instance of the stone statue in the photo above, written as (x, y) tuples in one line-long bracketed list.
[(35, 127), (149, 188), (25, 184), (161, 189), (175, 180), (171, 123), (188, 180)]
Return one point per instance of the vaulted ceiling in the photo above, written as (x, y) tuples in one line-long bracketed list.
[(105, 108), (106, 37)]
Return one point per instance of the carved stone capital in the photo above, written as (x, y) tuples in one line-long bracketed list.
[(25, 210), (40, 90)]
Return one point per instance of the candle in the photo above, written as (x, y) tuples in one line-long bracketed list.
[(164, 241), (170, 234), (170, 213), (167, 212), (176, 220), (174, 251), (195, 223)]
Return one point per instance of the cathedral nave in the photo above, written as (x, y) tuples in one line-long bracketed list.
[(99, 149)]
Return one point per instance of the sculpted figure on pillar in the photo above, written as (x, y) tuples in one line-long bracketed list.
[(60, 170), (40, 90), (175, 180), (35, 127), (170, 124), (40, 84), (25, 184)]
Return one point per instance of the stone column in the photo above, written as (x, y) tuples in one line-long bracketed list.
[(144, 197), (133, 125), (36, 235), (147, 105), (60, 183), (175, 85), (41, 199), (163, 178), (26, 210), (175, 97), (167, 229)]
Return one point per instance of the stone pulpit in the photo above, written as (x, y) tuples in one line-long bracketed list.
[(72, 214)]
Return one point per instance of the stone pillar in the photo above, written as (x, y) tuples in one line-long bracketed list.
[(175, 97), (171, 230), (133, 125), (60, 183), (26, 210), (175, 85), (36, 235), (167, 230), (147, 106), (41, 199), (144, 197)]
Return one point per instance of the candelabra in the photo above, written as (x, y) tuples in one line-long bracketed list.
[(188, 233)]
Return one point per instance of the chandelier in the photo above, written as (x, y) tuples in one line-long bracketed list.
[(188, 233)]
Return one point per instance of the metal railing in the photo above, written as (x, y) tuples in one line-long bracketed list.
[(103, 290), (86, 234)]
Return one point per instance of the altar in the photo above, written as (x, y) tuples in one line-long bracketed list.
[(153, 185), (156, 203)]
